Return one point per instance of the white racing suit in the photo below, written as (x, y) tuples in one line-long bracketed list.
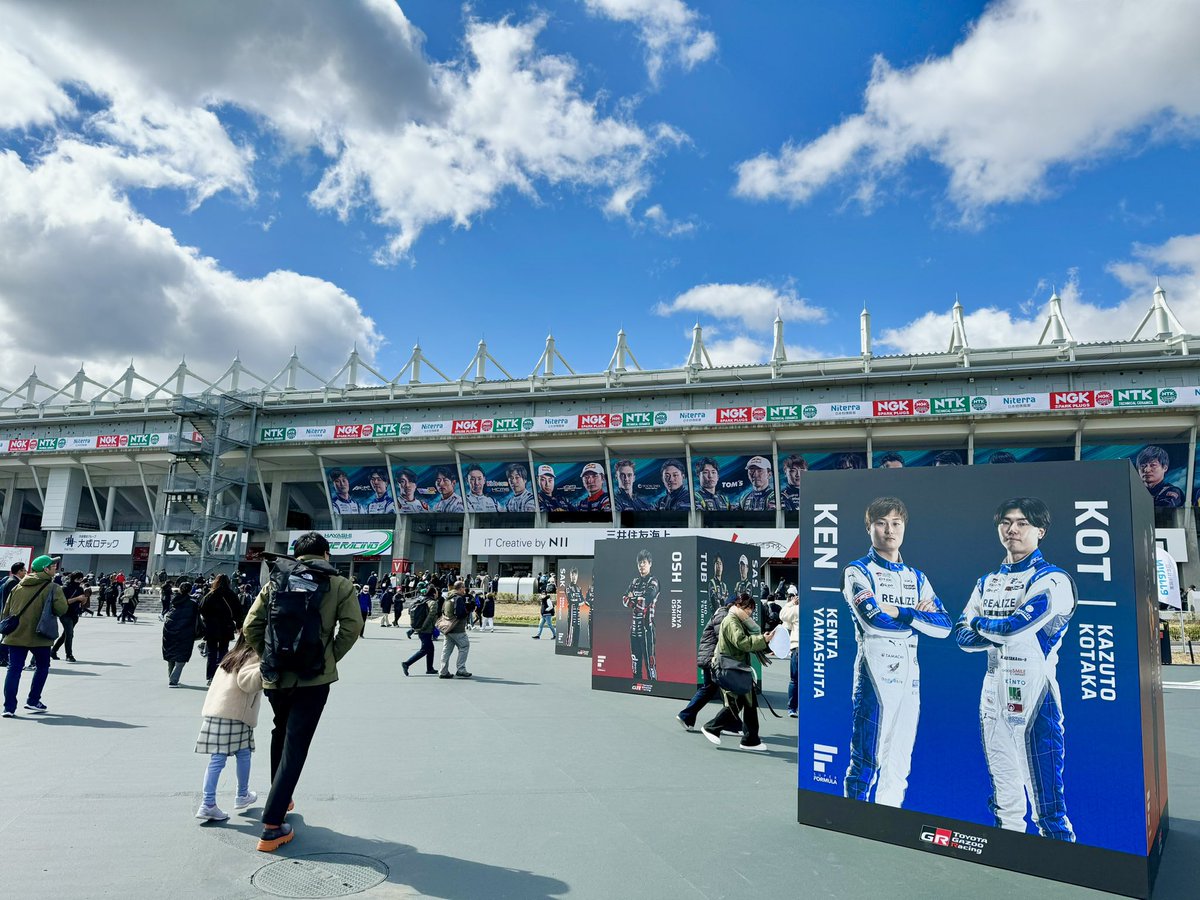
[(887, 678), (1018, 614)]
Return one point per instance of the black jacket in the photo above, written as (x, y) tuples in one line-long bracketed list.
[(179, 629), (708, 638), (221, 612)]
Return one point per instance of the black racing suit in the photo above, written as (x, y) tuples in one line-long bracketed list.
[(640, 596), (677, 499), (791, 498), (574, 597), (718, 595)]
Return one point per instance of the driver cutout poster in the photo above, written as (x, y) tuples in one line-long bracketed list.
[(978, 670)]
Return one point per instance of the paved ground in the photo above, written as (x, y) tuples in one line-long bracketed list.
[(521, 783)]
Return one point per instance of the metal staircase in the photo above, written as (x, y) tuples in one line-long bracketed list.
[(206, 492)]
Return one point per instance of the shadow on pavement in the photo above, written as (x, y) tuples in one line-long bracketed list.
[(429, 874), (500, 681), (1180, 867), (80, 721), (59, 670), (96, 662)]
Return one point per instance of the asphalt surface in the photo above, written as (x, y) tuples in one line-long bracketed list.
[(519, 783)]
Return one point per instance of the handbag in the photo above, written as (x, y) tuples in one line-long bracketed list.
[(732, 675), (9, 624), (444, 623), (47, 625)]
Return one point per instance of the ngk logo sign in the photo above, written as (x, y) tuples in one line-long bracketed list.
[(21, 445), (467, 426), (921, 407), (733, 415), (347, 432), (893, 407), (596, 420), (1104, 398), (109, 441), (1071, 400)]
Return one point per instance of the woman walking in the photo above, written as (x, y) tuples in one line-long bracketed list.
[(75, 593), (219, 609), (738, 638), (181, 628)]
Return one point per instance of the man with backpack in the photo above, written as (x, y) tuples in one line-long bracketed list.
[(420, 620), (453, 626), (15, 573), (305, 619)]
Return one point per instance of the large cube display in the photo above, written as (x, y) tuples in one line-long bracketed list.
[(978, 668), (652, 597)]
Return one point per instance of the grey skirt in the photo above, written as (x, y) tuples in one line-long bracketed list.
[(224, 736)]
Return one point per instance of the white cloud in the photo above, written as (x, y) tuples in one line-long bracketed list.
[(667, 28), (408, 141), (84, 277), (742, 350), (1176, 262), (658, 219), (753, 305), (1035, 84)]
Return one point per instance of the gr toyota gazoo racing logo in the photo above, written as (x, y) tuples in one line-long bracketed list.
[(467, 426), (894, 407), (347, 432), (600, 420), (1071, 400), (953, 840), (734, 415)]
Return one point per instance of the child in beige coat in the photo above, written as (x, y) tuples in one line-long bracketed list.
[(230, 714)]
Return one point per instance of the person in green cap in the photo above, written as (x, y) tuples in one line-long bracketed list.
[(26, 601)]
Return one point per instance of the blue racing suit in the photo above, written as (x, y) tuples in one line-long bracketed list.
[(1019, 614), (887, 678)]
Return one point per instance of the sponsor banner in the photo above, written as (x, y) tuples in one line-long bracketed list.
[(741, 415), (646, 643), (686, 417), (552, 423), (724, 483), (221, 544), (573, 607), (1012, 403), (903, 459), (360, 490), (498, 487), (315, 433), (92, 543), (562, 489), (1074, 399), (777, 543), (427, 488), (351, 543), (651, 484), (1162, 468), (1066, 695), (591, 421), (823, 411), (1167, 579)]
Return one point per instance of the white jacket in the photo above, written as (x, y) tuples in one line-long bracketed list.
[(790, 616), (236, 696)]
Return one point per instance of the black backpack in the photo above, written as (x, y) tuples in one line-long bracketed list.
[(292, 642), (418, 612), (460, 606)]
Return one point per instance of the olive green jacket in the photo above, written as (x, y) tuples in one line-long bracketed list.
[(26, 634)]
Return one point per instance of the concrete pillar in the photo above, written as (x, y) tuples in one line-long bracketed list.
[(10, 513), (110, 507), (64, 487)]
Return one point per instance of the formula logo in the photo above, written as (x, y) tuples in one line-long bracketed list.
[(599, 420), (893, 407), (347, 432), (1071, 400)]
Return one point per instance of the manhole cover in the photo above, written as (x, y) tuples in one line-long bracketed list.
[(320, 875)]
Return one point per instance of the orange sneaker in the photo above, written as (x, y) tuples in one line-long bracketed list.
[(274, 838)]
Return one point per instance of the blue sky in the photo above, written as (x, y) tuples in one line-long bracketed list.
[(178, 181)]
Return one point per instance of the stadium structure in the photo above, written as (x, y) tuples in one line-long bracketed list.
[(193, 475)]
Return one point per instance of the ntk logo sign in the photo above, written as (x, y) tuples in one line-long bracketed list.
[(1136, 397), (1071, 400), (143, 440), (267, 435), (1167, 395), (893, 407), (943, 406), (506, 426), (389, 430), (637, 419), (783, 413), (47, 444)]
